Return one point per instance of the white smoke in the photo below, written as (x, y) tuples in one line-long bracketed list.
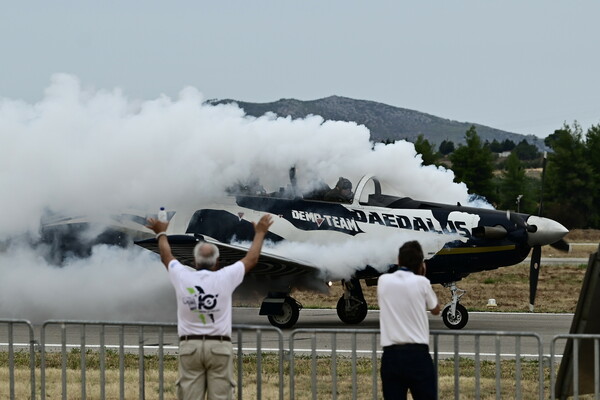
[(114, 284), (340, 260), (82, 151)]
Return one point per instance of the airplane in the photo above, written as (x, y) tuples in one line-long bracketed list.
[(457, 241)]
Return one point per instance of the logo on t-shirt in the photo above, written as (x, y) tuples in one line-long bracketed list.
[(201, 302)]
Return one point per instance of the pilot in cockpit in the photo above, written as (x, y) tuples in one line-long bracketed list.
[(342, 192)]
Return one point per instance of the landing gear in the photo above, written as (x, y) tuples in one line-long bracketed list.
[(455, 315), (352, 306), (290, 311)]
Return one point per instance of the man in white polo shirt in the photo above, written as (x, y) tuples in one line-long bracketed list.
[(404, 297), (204, 313)]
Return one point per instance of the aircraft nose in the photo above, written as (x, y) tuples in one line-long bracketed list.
[(548, 231)]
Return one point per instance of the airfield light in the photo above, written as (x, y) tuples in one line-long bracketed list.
[(329, 283), (519, 202)]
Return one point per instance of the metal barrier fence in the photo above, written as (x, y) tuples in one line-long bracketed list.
[(121, 335), (581, 369), (447, 347), (273, 335), (496, 351), (349, 338), (331, 362), (140, 339), (10, 325)]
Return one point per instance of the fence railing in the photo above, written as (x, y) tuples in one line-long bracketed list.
[(349, 338), (125, 360), (500, 347), (584, 350), (9, 326)]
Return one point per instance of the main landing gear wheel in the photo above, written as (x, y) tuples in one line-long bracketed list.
[(352, 306), (458, 320), (353, 313), (289, 316)]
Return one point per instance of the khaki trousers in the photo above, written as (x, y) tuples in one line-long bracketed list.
[(205, 367)]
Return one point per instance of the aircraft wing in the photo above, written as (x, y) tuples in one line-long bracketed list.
[(272, 272)]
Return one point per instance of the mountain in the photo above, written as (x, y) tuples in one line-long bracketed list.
[(384, 121)]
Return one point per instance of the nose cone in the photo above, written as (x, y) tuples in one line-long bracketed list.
[(548, 231)]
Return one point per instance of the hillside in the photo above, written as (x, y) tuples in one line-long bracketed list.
[(384, 121)]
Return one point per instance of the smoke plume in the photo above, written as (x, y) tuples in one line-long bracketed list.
[(93, 152)]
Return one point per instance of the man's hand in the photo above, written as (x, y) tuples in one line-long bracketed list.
[(156, 225), (263, 225), (163, 244)]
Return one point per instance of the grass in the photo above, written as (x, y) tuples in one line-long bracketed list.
[(303, 378)]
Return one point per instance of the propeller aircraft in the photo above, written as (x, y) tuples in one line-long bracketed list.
[(466, 240)]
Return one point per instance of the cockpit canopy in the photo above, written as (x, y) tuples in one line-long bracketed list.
[(369, 191)]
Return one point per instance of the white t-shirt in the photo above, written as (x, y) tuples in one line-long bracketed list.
[(404, 299), (204, 298)]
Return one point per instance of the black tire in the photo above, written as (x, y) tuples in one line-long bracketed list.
[(289, 317), (354, 316), (460, 318)]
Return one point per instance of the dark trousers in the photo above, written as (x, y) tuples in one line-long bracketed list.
[(408, 367)]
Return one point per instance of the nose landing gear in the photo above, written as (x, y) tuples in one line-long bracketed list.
[(455, 315)]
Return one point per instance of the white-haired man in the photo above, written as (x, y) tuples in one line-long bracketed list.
[(204, 312)]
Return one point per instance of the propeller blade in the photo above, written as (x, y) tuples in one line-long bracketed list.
[(534, 272), (561, 245)]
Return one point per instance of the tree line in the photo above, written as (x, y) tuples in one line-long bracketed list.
[(567, 190)]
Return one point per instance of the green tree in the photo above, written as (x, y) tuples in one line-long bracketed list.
[(473, 165), (514, 187), (526, 151), (592, 141), (569, 179), (496, 147), (446, 147), (508, 145), (426, 150)]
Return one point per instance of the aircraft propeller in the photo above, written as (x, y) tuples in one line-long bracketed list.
[(551, 232), (561, 245), (540, 231), (534, 273)]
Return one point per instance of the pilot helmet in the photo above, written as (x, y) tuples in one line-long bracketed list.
[(344, 183)]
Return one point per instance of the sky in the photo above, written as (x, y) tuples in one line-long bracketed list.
[(522, 66)]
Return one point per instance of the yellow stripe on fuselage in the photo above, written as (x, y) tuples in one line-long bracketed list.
[(472, 250)]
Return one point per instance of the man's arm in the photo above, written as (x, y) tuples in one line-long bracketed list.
[(436, 310), (260, 230), (163, 243)]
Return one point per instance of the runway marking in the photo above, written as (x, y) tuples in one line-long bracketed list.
[(287, 350)]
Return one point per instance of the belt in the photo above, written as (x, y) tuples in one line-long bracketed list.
[(205, 337), (407, 346)]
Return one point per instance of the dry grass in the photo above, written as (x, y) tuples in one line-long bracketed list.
[(303, 379), (583, 235)]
